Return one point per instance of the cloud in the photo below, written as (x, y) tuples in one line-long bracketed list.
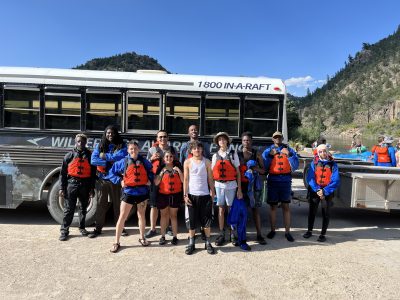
[(304, 82)]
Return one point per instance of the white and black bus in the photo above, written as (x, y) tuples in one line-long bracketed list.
[(41, 110)]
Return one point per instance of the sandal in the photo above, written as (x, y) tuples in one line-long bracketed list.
[(144, 242), (115, 247)]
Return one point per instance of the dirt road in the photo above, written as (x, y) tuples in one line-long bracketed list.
[(361, 260)]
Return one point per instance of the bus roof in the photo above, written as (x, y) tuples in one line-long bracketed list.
[(133, 80)]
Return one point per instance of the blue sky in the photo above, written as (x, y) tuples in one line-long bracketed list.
[(299, 41)]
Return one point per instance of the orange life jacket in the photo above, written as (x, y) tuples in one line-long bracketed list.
[(135, 173), (323, 172), (101, 169), (383, 154), (170, 183), (224, 170), (280, 165), (243, 166), (79, 166)]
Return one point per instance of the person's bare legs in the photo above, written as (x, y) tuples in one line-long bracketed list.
[(173, 214), (257, 220), (141, 213), (272, 216), (221, 217), (164, 220), (125, 208), (153, 218), (286, 216)]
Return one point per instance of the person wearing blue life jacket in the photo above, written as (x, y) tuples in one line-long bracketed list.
[(251, 166), (135, 175), (385, 153), (111, 149), (279, 161), (323, 179)]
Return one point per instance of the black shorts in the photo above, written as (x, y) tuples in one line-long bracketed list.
[(130, 199), (201, 211), (170, 200)]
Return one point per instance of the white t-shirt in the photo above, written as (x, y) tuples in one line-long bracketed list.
[(236, 163)]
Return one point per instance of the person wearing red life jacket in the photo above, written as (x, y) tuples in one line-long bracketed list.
[(385, 153), (169, 180), (249, 153), (225, 166), (77, 178), (135, 175), (323, 179), (111, 149), (155, 156), (279, 161)]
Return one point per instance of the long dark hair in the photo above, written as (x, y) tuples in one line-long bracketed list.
[(118, 141)]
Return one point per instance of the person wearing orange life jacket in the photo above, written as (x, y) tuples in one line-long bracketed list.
[(169, 180), (225, 167), (155, 156), (323, 179), (135, 175), (111, 149), (280, 161), (77, 179), (248, 153), (385, 154)]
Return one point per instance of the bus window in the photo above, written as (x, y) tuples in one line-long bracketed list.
[(181, 112), (103, 109), (222, 114), (62, 111), (261, 116), (143, 111), (21, 108)]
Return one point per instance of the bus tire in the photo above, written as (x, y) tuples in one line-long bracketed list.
[(55, 207), (305, 172)]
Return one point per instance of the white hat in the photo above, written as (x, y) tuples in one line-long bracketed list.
[(388, 140)]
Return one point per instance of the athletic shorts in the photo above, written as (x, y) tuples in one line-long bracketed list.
[(171, 200), (279, 192), (201, 211), (130, 199), (257, 197), (225, 197)]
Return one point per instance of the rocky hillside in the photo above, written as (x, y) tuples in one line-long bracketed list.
[(127, 62), (362, 97)]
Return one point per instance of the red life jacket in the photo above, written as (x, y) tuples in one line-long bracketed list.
[(280, 165), (101, 169), (224, 170), (135, 173), (156, 163), (383, 154), (170, 183), (323, 172), (243, 166), (79, 166)]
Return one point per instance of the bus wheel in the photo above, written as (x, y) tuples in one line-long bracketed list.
[(55, 205), (305, 172)]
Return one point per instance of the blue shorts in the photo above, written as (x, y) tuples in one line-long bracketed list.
[(279, 192)]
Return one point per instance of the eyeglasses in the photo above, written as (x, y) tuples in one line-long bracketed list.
[(163, 137)]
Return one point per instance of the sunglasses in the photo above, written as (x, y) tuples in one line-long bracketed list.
[(163, 137)]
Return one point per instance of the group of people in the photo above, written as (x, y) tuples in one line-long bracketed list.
[(230, 179)]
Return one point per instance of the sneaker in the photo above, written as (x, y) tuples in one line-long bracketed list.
[(169, 231), (190, 249), (220, 240), (209, 248), (150, 234), (234, 240), (174, 241), (271, 234), (203, 234), (162, 241), (289, 237), (245, 247), (307, 235), (63, 237), (321, 238), (83, 232), (94, 233), (261, 240), (124, 232)]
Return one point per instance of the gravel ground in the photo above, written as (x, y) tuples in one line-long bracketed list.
[(361, 260)]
